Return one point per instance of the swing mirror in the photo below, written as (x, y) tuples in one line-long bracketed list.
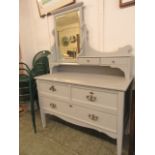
[(67, 30)]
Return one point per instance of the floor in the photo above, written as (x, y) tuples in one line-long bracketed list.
[(62, 138)]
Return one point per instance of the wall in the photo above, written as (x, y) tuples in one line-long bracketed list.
[(118, 25), (34, 34), (110, 27)]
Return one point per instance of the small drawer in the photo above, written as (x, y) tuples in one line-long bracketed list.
[(54, 88), (107, 99), (50, 105), (99, 119), (89, 61), (109, 61)]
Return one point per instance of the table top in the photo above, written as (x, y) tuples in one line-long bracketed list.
[(94, 80)]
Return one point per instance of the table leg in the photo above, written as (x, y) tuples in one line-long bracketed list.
[(43, 119)]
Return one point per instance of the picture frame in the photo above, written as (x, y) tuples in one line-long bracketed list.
[(46, 7), (126, 3)]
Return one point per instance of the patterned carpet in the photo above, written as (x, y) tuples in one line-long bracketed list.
[(62, 138)]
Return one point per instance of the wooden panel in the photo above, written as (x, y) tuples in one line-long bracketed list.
[(107, 99)]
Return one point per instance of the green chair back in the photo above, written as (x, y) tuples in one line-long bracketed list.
[(40, 63)]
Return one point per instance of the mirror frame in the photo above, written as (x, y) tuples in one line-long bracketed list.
[(55, 49), (85, 49)]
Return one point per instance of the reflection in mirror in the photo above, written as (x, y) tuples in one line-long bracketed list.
[(68, 35)]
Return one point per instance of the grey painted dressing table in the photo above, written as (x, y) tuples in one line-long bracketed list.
[(87, 88)]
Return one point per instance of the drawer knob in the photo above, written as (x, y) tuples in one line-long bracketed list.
[(52, 105), (52, 88), (70, 106), (113, 61), (90, 97), (88, 60), (93, 117)]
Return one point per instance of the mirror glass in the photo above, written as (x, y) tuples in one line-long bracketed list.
[(68, 35)]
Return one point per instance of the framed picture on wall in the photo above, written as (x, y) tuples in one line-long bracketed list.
[(126, 3), (47, 6)]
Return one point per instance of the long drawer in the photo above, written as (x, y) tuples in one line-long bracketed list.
[(96, 118), (54, 88), (87, 115), (107, 99)]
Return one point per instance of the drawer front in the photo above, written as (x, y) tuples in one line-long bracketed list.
[(107, 99), (109, 61), (89, 61), (51, 105), (90, 116), (54, 88), (96, 118)]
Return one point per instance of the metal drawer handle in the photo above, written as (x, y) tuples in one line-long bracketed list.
[(113, 61), (52, 88), (93, 117), (70, 105), (52, 105), (90, 97)]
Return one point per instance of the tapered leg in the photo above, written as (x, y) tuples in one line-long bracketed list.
[(120, 123), (43, 119), (119, 145)]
